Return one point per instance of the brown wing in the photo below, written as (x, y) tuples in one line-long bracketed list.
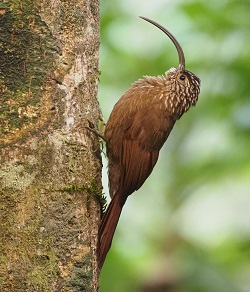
[(135, 133), (136, 165), (141, 143)]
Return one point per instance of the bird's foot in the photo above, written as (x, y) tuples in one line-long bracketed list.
[(92, 128)]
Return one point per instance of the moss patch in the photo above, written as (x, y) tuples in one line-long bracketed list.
[(27, 54)]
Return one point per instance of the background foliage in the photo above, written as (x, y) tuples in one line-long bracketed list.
[(188, 228)]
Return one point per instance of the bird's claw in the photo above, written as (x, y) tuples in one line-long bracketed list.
[(92, 129)]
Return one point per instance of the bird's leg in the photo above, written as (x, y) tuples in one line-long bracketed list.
[(102, 124), (92, 128), (101, 118)]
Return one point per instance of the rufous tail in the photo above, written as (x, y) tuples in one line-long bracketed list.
[(107, 229)]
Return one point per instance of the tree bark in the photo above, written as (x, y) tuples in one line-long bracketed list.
[(50, 172)]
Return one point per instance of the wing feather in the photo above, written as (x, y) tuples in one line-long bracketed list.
[(134, 152)]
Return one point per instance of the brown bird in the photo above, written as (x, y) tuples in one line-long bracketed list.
[(138, 126)]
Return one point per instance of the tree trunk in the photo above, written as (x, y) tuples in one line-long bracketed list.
[(50, 172)]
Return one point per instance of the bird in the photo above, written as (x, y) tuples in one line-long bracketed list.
[(136, 130)]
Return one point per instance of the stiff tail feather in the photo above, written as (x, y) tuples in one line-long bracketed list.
[(107, 229)]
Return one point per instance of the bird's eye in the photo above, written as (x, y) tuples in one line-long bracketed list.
[(182, 77)]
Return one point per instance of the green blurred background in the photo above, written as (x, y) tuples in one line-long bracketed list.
[(188, 227)]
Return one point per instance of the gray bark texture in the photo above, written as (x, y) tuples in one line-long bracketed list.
[(50, 165)]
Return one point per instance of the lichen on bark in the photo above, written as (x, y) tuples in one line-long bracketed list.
[(27, 54), (50, 165)]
